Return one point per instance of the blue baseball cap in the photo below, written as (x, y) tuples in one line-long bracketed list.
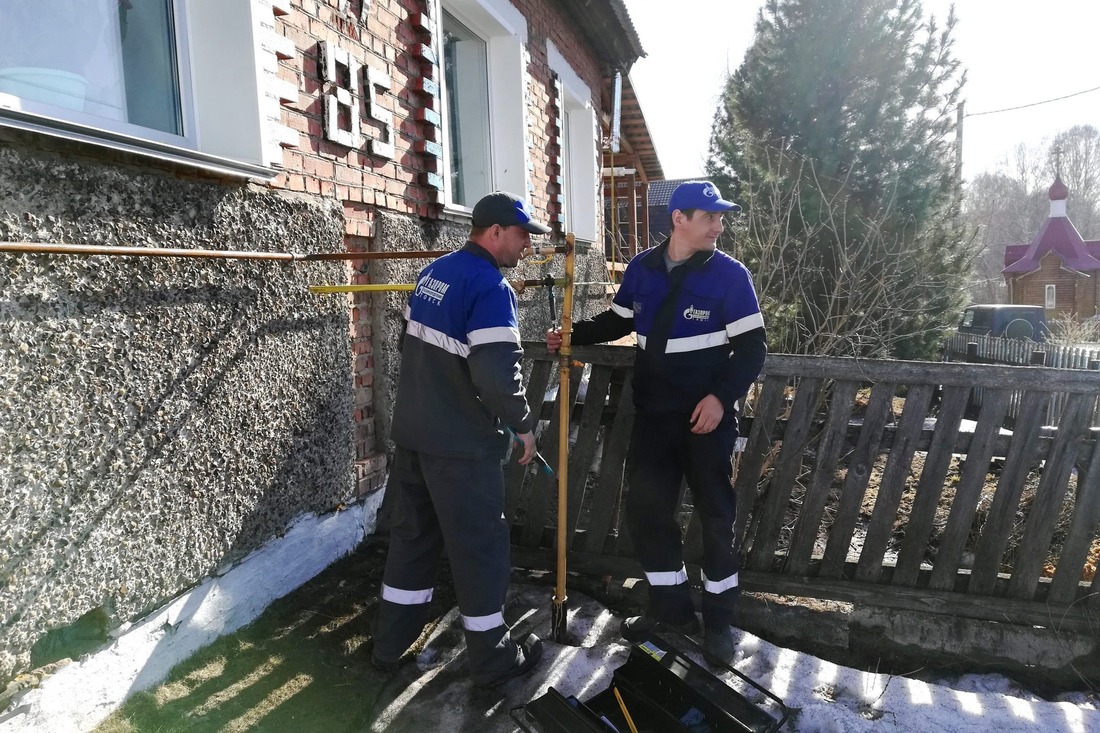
[(501, 207), (702, 195)]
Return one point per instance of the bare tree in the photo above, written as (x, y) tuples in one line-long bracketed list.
[(1075, 156), (1008, 205), (1003, 211), (872, 294)]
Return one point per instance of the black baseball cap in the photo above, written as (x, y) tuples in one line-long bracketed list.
[(501, 207)]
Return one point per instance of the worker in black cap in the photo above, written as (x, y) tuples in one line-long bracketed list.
[(459, 396)]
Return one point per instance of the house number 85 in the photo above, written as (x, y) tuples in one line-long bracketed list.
[(342, 124)]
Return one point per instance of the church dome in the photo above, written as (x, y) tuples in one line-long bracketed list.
[(1058, 190)]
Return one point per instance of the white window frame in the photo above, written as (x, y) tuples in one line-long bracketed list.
[(1050, 300), (227, 128), (580, 150), (504, 30)]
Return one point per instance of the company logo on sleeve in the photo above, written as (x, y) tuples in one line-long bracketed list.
[(694, 314), (431, 289)]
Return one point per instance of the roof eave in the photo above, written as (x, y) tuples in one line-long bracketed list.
[(608, 30)]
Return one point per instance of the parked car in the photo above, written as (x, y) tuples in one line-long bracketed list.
[(1008, 321)]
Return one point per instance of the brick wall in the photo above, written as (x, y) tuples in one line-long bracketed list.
[(386, 40)]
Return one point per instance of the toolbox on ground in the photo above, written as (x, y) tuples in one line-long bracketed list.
[(661, 690)]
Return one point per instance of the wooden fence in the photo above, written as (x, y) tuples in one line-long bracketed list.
[(859, 481), (995, 350)]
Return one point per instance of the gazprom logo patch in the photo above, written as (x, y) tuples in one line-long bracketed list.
[(692, 313), (431, 289), (710, 191)]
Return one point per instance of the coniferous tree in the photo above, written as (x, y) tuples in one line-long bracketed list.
[(837, 131)]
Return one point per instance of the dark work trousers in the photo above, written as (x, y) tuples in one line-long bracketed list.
[(457, 504), (663, 450)]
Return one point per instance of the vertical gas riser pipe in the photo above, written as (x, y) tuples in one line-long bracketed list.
[(565, 359)]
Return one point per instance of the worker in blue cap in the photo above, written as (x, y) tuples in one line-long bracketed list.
[(701, 345)]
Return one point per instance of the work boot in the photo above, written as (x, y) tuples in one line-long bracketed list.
[(637, 628), (385, 666), (718, 645), (528, 654)]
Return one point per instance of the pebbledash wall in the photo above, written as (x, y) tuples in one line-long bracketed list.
[(160, 419)]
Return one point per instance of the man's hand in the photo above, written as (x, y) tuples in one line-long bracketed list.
[(528, 442), (553, 339), (708, 413)]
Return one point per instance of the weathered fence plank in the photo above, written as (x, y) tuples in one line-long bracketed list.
[(1083, 526), (515, 474), (750, 465), (841, 404), (609, 485), (1093, 596), (544, 487), (999, 522), (1048, 499), (860, 463), (584, 447), (788, 467), (969, 491), (937, 460), (892, 485)]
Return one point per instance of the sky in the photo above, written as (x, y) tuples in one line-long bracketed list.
[(823, 697), (1017, 52)]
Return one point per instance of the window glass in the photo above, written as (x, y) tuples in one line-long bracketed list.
[(466, 89), (1049, 300), (104, 63)]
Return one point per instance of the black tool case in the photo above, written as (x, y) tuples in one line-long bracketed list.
[(664, 691)]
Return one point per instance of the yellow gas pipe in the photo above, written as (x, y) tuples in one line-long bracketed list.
[(558, 612)]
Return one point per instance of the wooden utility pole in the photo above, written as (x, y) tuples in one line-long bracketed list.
[(959, 142)]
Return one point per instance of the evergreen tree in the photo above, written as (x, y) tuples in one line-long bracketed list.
[(837, 131)]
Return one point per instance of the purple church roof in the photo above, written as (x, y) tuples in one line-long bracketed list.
[(1057, 235)]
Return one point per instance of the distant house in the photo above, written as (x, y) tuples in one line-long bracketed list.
[(659, 193), (1058, 269)]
